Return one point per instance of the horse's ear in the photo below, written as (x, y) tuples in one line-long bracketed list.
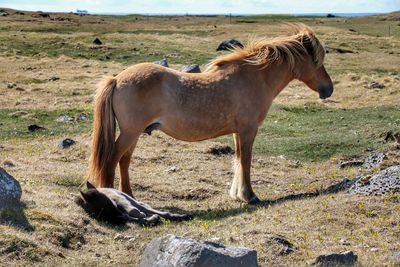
[(89, 185)]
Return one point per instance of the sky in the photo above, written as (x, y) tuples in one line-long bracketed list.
[(207, 6)]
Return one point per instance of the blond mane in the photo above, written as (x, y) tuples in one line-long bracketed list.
[(263, 52)]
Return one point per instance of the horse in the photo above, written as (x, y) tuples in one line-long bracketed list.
[(232, 96)]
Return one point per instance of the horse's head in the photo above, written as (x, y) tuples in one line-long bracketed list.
[(311, 70)]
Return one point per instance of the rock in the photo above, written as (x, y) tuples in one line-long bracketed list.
[(229, 45), (349, 163), (392, 136), (172, 250), (54, 78), (173, 169), (374, 160), (279, 245), (10, 189), (375, 85), (338, 50), (352, 30), (220, 150), (3, 13), (65, 118), (163, 62), (11, 85), (336, 259), (34, 128), (97, 41), (193, 68), (43, 15), (384, 182), (66, 143), (344, 242)]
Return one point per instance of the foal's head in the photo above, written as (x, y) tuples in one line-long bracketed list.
[(310, 69)]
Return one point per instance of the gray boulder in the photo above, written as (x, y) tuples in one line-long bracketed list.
[(381, 183), (172, 250), (192, 68), (10, 189)]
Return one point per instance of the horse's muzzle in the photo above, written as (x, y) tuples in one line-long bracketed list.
[(325, 91)]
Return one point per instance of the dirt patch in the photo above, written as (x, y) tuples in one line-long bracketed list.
[(195, 194)]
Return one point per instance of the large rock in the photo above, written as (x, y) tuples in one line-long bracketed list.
[(386, 181), (10, 189), (172, 250)]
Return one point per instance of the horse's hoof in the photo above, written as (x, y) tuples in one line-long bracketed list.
[(254, 201)]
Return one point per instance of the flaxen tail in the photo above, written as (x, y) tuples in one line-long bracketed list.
[(104, 127)]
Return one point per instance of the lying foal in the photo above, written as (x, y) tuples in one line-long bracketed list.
[(115, 207)]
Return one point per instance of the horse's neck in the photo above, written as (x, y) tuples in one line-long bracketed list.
[(277, 77)]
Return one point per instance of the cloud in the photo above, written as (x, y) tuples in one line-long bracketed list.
[(207, 6)]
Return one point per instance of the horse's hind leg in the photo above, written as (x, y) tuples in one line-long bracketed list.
[(125, 142), (124, 185), (243, 186)]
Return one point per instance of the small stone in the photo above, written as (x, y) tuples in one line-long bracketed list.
[(54, 78), (173, 169), (97, 41), (163, 62), (131, 240), (344, 242), (229, 45), (79, 245), (98, 255), (279, 245), (336, 259), (66, 143), (118, 237), (375, 85), (220, 150), (193, 68), (11, 85), (374, 249), (34, 128), (65, 118)]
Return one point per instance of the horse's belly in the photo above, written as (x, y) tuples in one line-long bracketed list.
[(192, 130)]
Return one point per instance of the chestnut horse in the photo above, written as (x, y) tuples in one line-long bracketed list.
[(232, 97)]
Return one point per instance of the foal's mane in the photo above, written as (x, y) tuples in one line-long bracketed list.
[(263, 52)]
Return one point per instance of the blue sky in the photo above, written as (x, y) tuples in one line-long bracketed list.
[(207, 6)]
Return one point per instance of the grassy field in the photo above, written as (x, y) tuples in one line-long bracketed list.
[(50, 67)]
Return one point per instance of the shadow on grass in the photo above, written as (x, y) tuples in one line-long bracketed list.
[(218, 214), (15, 216)]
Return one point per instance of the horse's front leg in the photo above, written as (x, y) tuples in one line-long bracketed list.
[(241, 182)]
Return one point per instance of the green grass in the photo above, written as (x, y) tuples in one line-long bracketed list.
[(316, 133), (113, 49), (17, 126), (306, 133)]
